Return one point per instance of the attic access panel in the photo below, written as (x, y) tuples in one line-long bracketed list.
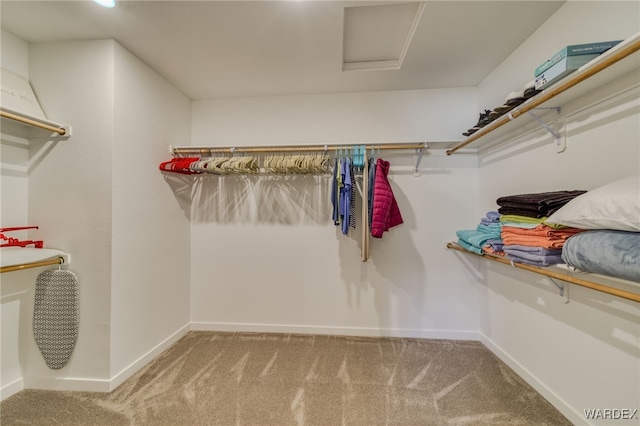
[(378, 37)]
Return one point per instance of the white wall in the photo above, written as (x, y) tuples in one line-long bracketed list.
[(15, 54), (14, 149), (585, 354), (99, 196), (13, 212), (266, 256), (70, 198), (150, 236), (68, 209)]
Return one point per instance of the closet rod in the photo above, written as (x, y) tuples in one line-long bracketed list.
[(205, 151), (573, 280), (57, 261), (537, 100), (57, 129)]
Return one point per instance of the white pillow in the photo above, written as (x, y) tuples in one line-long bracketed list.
[(612, 206)]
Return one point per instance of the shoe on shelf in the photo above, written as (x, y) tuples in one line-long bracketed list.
[(494, 114), (530, 90), (502, 109), (515, 98), (484, 118), (512, 100)]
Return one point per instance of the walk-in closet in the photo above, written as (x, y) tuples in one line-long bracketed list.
[(320, 212)]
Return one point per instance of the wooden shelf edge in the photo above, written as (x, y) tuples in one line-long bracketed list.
[(635, 297)]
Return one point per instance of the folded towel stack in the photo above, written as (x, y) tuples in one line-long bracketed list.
[(486, 234), (533, 255), (526, 236)]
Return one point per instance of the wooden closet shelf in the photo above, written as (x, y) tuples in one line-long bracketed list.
[(552, 274), (570, 87)]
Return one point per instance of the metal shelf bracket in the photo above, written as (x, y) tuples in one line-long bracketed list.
[(561, 143), (419, 151), (562, 288)]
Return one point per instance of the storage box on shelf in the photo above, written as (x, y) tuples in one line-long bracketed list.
[(561, 69), (576, 50)]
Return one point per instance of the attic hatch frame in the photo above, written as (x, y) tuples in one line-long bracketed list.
[(379, 61)]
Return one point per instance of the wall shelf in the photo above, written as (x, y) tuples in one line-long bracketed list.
[(54, 129), (556, 273), (19, 258), (21, 133), (600, 71)]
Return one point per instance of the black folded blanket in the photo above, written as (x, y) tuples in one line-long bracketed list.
[(541, 204)]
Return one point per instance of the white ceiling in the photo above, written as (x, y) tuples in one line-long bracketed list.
[(211, 49)]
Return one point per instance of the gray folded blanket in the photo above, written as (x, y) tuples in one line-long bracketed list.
[(606, 252)]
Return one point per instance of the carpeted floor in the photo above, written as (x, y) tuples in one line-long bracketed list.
[(210, 378)]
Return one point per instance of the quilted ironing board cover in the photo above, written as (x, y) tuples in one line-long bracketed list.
[(55, 316)]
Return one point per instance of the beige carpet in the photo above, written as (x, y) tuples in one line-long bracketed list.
[(210, 378)]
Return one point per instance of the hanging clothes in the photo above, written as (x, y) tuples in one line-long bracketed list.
[(345, 194), (386, 213), (371, 183), (335, 195), (366, 234), (352, 200)]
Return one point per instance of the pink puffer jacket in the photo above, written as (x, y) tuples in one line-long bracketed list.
[(386, 213)]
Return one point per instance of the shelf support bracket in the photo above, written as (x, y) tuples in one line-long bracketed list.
[(562, 288), (419, 151), (560, 143)]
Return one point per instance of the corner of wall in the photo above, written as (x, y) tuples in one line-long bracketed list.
[(15, 54)]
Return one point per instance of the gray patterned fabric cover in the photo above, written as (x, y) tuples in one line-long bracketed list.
[(55, 316)]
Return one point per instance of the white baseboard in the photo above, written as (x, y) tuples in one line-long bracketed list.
[(11, 389), (339, 331), (129, 371), (66, 384), (102, 385), (566, 410)]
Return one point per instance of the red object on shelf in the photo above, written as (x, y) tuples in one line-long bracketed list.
[(14, 242)]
